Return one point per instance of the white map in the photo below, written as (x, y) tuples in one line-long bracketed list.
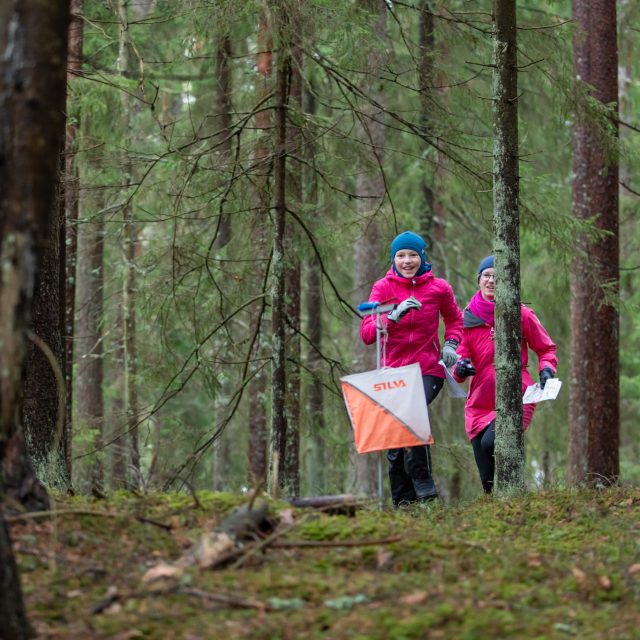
[(535, 394)]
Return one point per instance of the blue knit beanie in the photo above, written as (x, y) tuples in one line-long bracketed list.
[(485, 263), (412, 241)]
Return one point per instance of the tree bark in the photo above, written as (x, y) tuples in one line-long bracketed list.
[(41, 401), (509, 449), (33, 39), (316, 461), (293, 136), (371, 191), (130, 249), (71, 204), (594, 407), (278, 309), (432, 217), (224, 108), (258, 427), (88, 352)]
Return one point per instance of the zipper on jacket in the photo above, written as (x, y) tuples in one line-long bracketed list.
[(413, 286)]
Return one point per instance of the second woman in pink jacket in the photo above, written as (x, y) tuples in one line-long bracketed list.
[(476, 353), (412, 337)]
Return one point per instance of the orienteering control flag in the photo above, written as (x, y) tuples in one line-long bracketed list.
[(387, 408)]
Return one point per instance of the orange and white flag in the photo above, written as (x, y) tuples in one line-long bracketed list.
[(387, 408)]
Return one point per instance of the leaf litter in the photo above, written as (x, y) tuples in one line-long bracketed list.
[(547, 565)]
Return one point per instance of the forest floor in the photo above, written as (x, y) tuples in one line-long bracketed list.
[(554, 564)]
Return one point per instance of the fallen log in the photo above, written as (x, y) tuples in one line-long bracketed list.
[(340, 504)]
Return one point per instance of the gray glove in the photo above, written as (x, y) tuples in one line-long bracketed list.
[(403, 308), (449, 355)]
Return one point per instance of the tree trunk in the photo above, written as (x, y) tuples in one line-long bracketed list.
[(278, 310), (425, 79), (41, 400), (433, 214), (223, 125), (371, 192), (258, 438), (88, 336), (130, 247), (594, 411), (116, 431), (314, 304), (223, 162), (33, 37), (509, 450), (71, 203), (291, 467), (221, 456)]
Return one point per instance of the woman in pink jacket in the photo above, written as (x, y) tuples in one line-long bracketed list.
[(476, 353), (412, 337)]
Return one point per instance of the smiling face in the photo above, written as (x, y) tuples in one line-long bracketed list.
[(407, 262), (487, 283)]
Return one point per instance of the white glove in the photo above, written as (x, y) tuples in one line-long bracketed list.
[(403, 308)]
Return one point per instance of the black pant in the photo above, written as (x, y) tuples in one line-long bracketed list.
[(483, 445), (410, 468)]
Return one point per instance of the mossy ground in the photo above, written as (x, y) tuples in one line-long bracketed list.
[(554, 564)]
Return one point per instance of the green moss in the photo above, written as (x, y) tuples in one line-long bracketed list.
[(488, 569)]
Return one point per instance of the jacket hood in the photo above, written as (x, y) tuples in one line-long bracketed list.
[(471, 320)]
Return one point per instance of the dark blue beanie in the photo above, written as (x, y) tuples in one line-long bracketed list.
[(412, 241), (485, 263)]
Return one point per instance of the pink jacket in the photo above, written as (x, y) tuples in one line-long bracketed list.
[(477, 345), (415, 337)]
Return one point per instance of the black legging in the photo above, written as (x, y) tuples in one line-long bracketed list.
[(410, 468), (483, 445)]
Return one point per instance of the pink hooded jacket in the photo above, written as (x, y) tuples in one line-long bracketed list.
[(415, 337), (477, 345)]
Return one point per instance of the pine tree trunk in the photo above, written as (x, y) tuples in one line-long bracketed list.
[(425, 79), (223, 126), (130, 248), (316, 461), (71, 204), (371, 192), (88, 352), (41, 401), (594, 411), (293, 136), (509, 450), (116, 429), (223, 162), (278, 310), (33, 37), (258, 437), (432, 215)]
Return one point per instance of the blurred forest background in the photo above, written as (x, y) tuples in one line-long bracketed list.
[(234, 173)]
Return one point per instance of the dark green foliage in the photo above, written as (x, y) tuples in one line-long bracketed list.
[(196, 348)]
